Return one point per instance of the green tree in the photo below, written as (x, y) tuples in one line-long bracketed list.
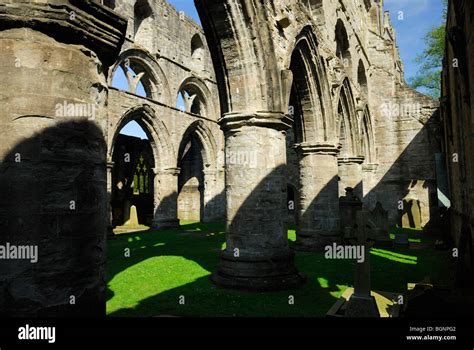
[(431, 59)]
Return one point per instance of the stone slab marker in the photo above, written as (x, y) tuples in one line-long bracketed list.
[(133, 218), (361, 303), (53, 122)]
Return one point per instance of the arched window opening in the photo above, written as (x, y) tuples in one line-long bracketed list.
[(342, 45), (191, 180), (141, 177), (191, 100), (134, 77), (362, 78), (132, 178), (197, 48), (142, 12), (344, 139), (143, 24)]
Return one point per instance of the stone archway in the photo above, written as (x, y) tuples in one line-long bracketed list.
[(163, 175), (350, 158), (139, 66), (197, 182), (197, 98), (318, 203), (254, 112)]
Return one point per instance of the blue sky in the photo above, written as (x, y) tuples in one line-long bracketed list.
[(415, 20), (419, 16)]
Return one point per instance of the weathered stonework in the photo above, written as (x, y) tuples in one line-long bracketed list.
[(52, 157), (307, 95), (457, 184), (167, 50)]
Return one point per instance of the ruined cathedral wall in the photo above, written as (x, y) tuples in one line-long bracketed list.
[(458, 127), (175, 48), (406, 124), (52, 158)]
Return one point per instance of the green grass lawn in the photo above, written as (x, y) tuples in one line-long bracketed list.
[(165, 266)]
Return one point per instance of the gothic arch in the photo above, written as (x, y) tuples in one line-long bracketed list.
[(349, 135), (243, 54), (197, 88), (152, 76), (310, 91), (362, 79), (368, 149), (143, 18), (343, 51), (158, 135), (207, 142)]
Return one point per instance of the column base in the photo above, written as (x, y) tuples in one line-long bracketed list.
[(362, 307), (164, 223), (251, 273), (315, 242)]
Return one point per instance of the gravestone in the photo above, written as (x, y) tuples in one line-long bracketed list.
[(133, 218), (132, 223), (362, 303), (349, 205), (379, 226)]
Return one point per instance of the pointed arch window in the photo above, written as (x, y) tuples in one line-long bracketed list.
[(141, 177)]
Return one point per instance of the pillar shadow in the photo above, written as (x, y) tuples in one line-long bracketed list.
[(53, 197)]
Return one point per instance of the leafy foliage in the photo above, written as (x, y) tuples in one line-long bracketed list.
[(430, 60)]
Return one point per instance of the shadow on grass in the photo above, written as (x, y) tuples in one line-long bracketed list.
[(168, 272)]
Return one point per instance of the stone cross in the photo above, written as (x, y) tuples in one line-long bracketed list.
[(361, 303)]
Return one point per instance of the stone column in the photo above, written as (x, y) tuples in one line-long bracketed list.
[(110, 226), (166, 198), (318, 206), (369, 180), (350, 174), (53, 167), (257, 255), (210, 192)]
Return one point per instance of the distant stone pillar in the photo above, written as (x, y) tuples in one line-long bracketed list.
[(110, 226), (166, 198), (369, 180), (257, 255), (318, 206), (53, 178), (350, 174), (210, 192)]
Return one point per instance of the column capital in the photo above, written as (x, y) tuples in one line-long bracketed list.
[(92, 24), (167, 171), (268, 119), (351, 160), (306, 148)]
